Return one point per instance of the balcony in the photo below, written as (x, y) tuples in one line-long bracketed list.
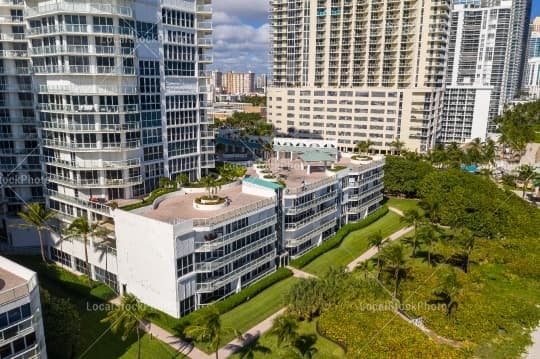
[(84, 70), (212, 264), (304, 222), (88, 90), (78, 7), (95, 182), (215, 283), (292, 243), (53, 107), (204, 25), (205, 10), (7, 19), (13, 54), (92, 146), (96, 164), (93, 206), (81, 49), (314, 202), (90, 127), (88, 29), (12, 37), (205, 59), (12, 3)]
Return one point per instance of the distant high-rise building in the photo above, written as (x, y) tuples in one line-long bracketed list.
[(532, 71), (481, 72), (261, 83), (353, 71), (237, 83), (516, 51), (479, 34)]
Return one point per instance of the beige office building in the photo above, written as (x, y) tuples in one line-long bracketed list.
[(237, 83), (356, 70)]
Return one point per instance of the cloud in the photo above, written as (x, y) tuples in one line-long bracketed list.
[(241, 43), (250, 10)]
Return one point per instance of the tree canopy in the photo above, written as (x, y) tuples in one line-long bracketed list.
[(517, 125), (249, 124)]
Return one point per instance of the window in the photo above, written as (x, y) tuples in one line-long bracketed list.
[(60, 257), (80, 265), (106, 277), (187, 305), (184, 265)]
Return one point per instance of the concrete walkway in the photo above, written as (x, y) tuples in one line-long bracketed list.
[(533, 352), (370, 253), (298, 273), (399, 212), (176, 343)]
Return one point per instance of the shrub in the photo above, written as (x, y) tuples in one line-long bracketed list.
[(148, 201), (251, 291), (269, 176), (336, 240)]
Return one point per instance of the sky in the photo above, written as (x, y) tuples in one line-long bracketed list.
[(242, 38)]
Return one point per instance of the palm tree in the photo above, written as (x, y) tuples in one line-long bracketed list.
[(80, 228), (488, 152), (438, 156), (526, 172), (304, 347), (211, 184), (36, 216), (285, 328), (454, 155), (182, 179), (398, 145), (250, 347), (427, 236), (364, 146), (130, 316), (206, 328), (431, 210), (394, 259), (377, 239), (164, 182), (267, 150), (474, 152), (413, 218), (466, 239), (448, 289)]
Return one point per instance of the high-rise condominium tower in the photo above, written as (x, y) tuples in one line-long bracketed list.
[(121, 93), (359, 70), (19, 147), (532, 71), (479, 36)]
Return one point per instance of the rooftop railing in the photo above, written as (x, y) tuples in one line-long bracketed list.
[(248, 209), (18, 292)]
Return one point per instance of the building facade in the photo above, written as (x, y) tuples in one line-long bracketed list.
[(359, 70), (202, 252), (21, 319), (477, 63), (237, 83), (121, 93), (20, 168), (531, 83)]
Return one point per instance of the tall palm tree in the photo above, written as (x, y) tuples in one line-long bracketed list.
[(81, 228), (474, 152), (207, 328), (211, 184), (431, 210), (428, 237), (129, 317), (267, 150), (454, 155), (364, 146), (36, 216), (448, 289), (398, 146), (526, 173), (413, 218), (488, 152), (377, 239), (466, 239), (285, 328), (394, 259), (303, 348)]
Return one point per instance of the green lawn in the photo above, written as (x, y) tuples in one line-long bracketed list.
[(91, 346), (354, 244), (325, 348), (403, 204), (249, 314)]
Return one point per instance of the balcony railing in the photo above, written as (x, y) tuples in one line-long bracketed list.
[(88, 90), (213, 284), (249, 209), (53, 107), (95, 182), (307, 220), (84, 69), (206, 246), (90, 29), (18, 292), (213, 264), (92, 146), (93, 206), (291, 243), (303, 206), (89, 164), (310, 186), (79, 7), (17, 330), (81, 49)]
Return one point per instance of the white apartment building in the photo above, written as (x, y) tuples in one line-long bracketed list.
[(353, 71), (21, 320), (122, 97), (532, 71), (180, 253), (477, 62)]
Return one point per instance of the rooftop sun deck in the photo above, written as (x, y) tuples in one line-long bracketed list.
[(180, 207), (9, 280)]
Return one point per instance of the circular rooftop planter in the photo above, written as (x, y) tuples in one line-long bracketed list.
[(358, 159), (270, 177), (206, 203)]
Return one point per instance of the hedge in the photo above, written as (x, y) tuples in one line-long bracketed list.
[(251, 291), (176, 326), (336, 240), (146, 202)]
